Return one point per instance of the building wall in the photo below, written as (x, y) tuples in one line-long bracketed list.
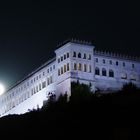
[(73, 61)]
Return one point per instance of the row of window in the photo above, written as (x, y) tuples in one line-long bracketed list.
[(111, 62), (104, 72), (65, 56), (82, 67), (63, 69), (23, 97), (79, 55)]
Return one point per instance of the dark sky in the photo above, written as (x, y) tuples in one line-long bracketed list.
[(30, 31)]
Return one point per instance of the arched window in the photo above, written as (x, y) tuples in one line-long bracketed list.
[(79, 55), (103, 72), (97, 71), (74, 54), (111, 73)]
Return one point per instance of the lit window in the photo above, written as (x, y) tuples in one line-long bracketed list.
[(89, 57), (85, 67), (111, 73), (74, 54), (80, 67), (79, 55), (97, 71), (64, 68), (103, 72), (89, 68)]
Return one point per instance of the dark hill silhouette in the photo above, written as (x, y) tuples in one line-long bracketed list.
[(112, 116)]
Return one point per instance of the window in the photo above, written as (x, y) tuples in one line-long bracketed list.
[(123, 75), (103, 72), (58, 72), (123, 64), (84, 56), (64, 56), (133, 66), (47, 70), (51, 81), (79, 55), (39, 75), (67, 55), (61, 70), (89, 57), (39, 86), (75, 66), (61, 58), (97, 71), (80, 67), (110, 62), (50, 68), (48, 81), (74, 54), (111, 73), (89, 68), (103, 61), (44, 84), (117, 63), (68, 68), (85, 67), (53, 66), (97, 60), (58, 60), (64, 68)]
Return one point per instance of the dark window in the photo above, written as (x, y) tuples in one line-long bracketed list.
[(79, 55), (111, 73), (133, 66), (75, 66), (44, 84), (58, 72), (67, 55), (84, 56), (61, 58), (58, 60), (85, 67), (68, 68), (50, 68), (97, 71), (123, 64), (74, 54), (104, 61), (53, 66), (117, 63), (110, 62), (97, 60), (103, 72), (64, 56), (61, 70)]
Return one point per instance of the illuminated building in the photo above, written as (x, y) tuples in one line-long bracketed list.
[(74, 60)]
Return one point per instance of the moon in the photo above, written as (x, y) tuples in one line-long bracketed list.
[(2, 89)]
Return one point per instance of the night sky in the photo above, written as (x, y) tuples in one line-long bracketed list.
[(31, 30)]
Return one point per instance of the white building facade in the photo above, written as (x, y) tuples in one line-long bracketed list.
[(73, 61)]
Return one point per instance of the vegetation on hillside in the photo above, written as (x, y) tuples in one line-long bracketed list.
[(84, 114)]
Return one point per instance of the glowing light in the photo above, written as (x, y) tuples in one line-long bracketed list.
[(2, 89)]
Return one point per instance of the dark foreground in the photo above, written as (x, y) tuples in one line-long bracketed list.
[(87, 116)]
